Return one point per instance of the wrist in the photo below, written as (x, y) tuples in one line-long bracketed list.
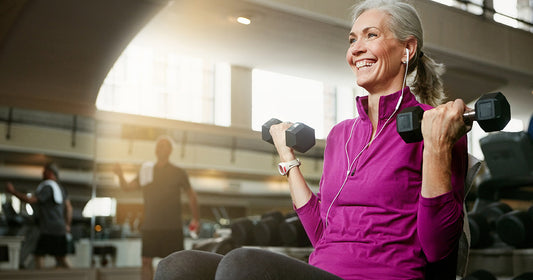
[(287, 157), (285, 167), (437, 153)]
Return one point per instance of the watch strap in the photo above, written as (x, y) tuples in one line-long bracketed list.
[(284, 167)]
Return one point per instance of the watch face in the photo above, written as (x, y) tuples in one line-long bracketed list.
[(282, 170)]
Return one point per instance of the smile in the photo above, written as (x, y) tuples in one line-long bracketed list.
[(364, 63)]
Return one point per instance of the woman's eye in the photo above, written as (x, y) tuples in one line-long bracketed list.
[(371, 35), (352, 40)]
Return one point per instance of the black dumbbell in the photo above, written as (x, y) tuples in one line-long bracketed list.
[(292, 232), (266, 231), (492, 112), (480, 275), (516, 228), (299, 136), (483, 224), (524, 276), (242, 232)]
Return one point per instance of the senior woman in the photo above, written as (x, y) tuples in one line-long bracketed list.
[(385, 209)]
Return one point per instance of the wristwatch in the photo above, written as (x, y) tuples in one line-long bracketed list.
[(284, 167)]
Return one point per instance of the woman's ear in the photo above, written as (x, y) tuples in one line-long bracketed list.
[(411, 45)]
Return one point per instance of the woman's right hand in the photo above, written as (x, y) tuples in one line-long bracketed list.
[(443, 125), (277, 131)]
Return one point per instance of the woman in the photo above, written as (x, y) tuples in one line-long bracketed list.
[(385, 208)]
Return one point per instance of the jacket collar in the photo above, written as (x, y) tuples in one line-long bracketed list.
[(387, 103)]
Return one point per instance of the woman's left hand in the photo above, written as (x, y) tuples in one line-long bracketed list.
[(443, 125)]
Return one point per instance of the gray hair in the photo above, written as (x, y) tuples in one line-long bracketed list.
[(404, 23)]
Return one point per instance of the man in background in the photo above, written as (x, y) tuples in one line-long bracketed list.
[(54, 216), (161, 183)]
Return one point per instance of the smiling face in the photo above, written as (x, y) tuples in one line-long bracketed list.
[(375, 55)]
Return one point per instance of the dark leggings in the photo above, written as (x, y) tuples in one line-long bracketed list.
[(241, 263)]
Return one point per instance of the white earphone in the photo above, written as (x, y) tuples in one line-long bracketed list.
[(350, 165)]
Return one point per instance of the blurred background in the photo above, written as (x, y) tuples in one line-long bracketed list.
[(88, 84)]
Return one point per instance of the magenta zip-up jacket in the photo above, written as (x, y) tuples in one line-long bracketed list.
[(379, 226)]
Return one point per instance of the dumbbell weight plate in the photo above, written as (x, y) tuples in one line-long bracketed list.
[(480, 236), (493, 112), (266, 232), (293, 233), (516, 229), (524, 276), (265, 130), (242, 232), (408, 124), (483, 223), (480, 275), (300, 137), (494, 211)]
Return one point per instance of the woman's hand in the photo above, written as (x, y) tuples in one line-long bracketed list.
[(441, 128), (277, 131), (443, 125)]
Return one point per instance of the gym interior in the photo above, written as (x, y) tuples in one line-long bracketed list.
[(88, 84)]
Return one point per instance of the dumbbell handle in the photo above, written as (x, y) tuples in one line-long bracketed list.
[(470, 115)]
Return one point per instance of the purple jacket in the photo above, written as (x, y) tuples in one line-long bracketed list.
[(379, 226)]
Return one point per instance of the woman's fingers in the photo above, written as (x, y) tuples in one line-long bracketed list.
[(277, 131), (443, 125)]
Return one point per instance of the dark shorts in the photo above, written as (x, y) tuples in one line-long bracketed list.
[(161, 243), (55, 245)]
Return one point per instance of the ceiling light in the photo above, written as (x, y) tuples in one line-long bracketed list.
[(244, 20)]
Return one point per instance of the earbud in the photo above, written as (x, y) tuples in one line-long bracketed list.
[(407, 54), (404, 79)]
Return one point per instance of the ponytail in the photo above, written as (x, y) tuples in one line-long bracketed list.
[(427, 83)]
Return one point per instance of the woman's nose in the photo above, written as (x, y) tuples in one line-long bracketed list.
[(355, 48)]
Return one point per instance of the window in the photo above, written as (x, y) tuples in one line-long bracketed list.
[(167, 85), (287, 98), (514, 13), (473, 6), (295, 99), (506, 12)]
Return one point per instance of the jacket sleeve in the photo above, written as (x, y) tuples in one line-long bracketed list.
[(309, 215), (440, 219)]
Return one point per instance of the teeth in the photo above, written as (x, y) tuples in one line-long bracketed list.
[(361, 64)]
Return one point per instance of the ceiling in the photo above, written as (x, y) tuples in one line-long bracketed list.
[(55, 54)]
